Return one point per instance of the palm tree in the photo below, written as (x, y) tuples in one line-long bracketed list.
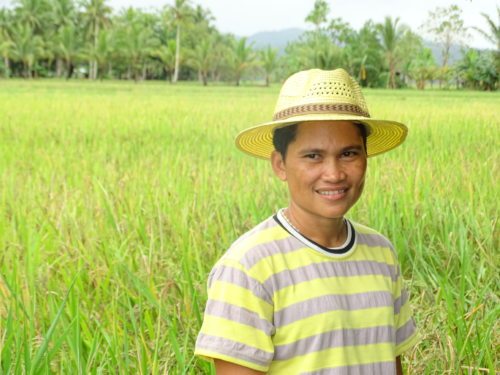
[(166, 54), (6, 46), (68, 47), (95, 16), (390, 34), (493, 34), (32, 13), (422, 68), (269, 61), (135, 41), (201, 58), (242, 57), (6, 43), (27, 49), (180, 12)]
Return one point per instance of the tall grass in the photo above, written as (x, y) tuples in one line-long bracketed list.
[(117, 198)]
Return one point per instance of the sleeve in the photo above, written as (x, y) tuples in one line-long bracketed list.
[(237, 324), (406, 332)]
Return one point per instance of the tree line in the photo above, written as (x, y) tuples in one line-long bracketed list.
[(86, 39)]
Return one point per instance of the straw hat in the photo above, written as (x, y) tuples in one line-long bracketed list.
[(314, 95)]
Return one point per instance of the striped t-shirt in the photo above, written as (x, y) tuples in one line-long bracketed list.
[(280, 303)]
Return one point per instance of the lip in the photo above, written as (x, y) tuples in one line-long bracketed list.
[(332, 193)]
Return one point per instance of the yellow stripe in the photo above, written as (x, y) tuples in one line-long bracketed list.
[(342, 356), (241, 297), (306, 256), (234, 331), (239, 248), (323, 287), (332, 320)]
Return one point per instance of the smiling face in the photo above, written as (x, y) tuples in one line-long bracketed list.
[(325, 169)]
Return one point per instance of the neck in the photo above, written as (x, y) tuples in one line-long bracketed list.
[(328, 232)]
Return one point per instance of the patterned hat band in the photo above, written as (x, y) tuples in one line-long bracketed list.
[(305, 109)]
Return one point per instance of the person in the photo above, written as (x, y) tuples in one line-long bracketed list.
[(308, 291)]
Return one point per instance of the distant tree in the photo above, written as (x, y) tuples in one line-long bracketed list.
[(201, 58), (6, 43), (363, 55), (411, 47), (28, 47), (166, 54), (448, 28), (96, 16), (62, 14), (68, 47), (6, 46), (32, 13), (478, 70), (319, 14), (241, 58), (269, 62), (493, 34), (135, 41), (391, 34), (181, 12), (422, 68)]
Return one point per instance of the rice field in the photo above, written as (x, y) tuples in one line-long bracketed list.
[(117, 198)]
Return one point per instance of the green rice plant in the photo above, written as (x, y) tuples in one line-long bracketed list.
[(116, 199)]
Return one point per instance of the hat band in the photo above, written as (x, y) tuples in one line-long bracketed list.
[(341, 108)]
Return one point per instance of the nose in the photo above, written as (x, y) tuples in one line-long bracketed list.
[(333, 170)]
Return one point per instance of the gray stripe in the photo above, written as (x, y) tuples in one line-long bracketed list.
[(319, 305), (328, 269), (400, 301), (234, 349), (373, 240), (240, 315), (264, 250), (237, 277), (380, 368), (405, 331), (335, 339)]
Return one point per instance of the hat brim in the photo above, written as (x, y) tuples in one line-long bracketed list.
[(384, 135)]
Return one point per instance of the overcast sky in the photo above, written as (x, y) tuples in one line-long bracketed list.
[(247, 17)]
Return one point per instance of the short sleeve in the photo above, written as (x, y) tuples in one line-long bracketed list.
[(406, 332), (237, 325)]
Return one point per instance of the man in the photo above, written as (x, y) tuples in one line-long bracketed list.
[(308, 291)]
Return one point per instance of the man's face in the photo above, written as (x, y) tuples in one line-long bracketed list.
[(325, 170)]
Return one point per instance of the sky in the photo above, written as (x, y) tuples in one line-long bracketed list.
[(247, 17)]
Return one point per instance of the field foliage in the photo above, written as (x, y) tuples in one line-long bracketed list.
[(117, 198)]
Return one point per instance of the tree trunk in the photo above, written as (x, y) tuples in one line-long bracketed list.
[(177, 53), (6, 63), (267, 80), (59, 67)]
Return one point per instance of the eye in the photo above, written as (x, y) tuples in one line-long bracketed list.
[(312, 156), (349, 154)]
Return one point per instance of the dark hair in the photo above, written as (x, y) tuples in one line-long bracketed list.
[(283, 136)]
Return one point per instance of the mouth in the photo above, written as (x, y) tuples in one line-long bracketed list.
[(332, 194)]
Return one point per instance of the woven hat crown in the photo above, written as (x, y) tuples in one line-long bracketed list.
[(318, 91)]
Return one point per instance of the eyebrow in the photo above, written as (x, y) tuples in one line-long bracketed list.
[(356, 147)]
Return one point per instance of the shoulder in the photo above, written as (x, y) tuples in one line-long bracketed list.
[(260, 237), (371, 237)]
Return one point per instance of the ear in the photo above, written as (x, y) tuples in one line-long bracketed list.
[(278, 165)]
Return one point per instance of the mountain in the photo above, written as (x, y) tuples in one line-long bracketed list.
[(279, 39), (275, 39)]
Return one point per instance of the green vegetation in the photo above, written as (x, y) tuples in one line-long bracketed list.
[(86, 39), (117, 198)]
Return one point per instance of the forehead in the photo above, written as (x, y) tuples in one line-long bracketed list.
[(328, 134)]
